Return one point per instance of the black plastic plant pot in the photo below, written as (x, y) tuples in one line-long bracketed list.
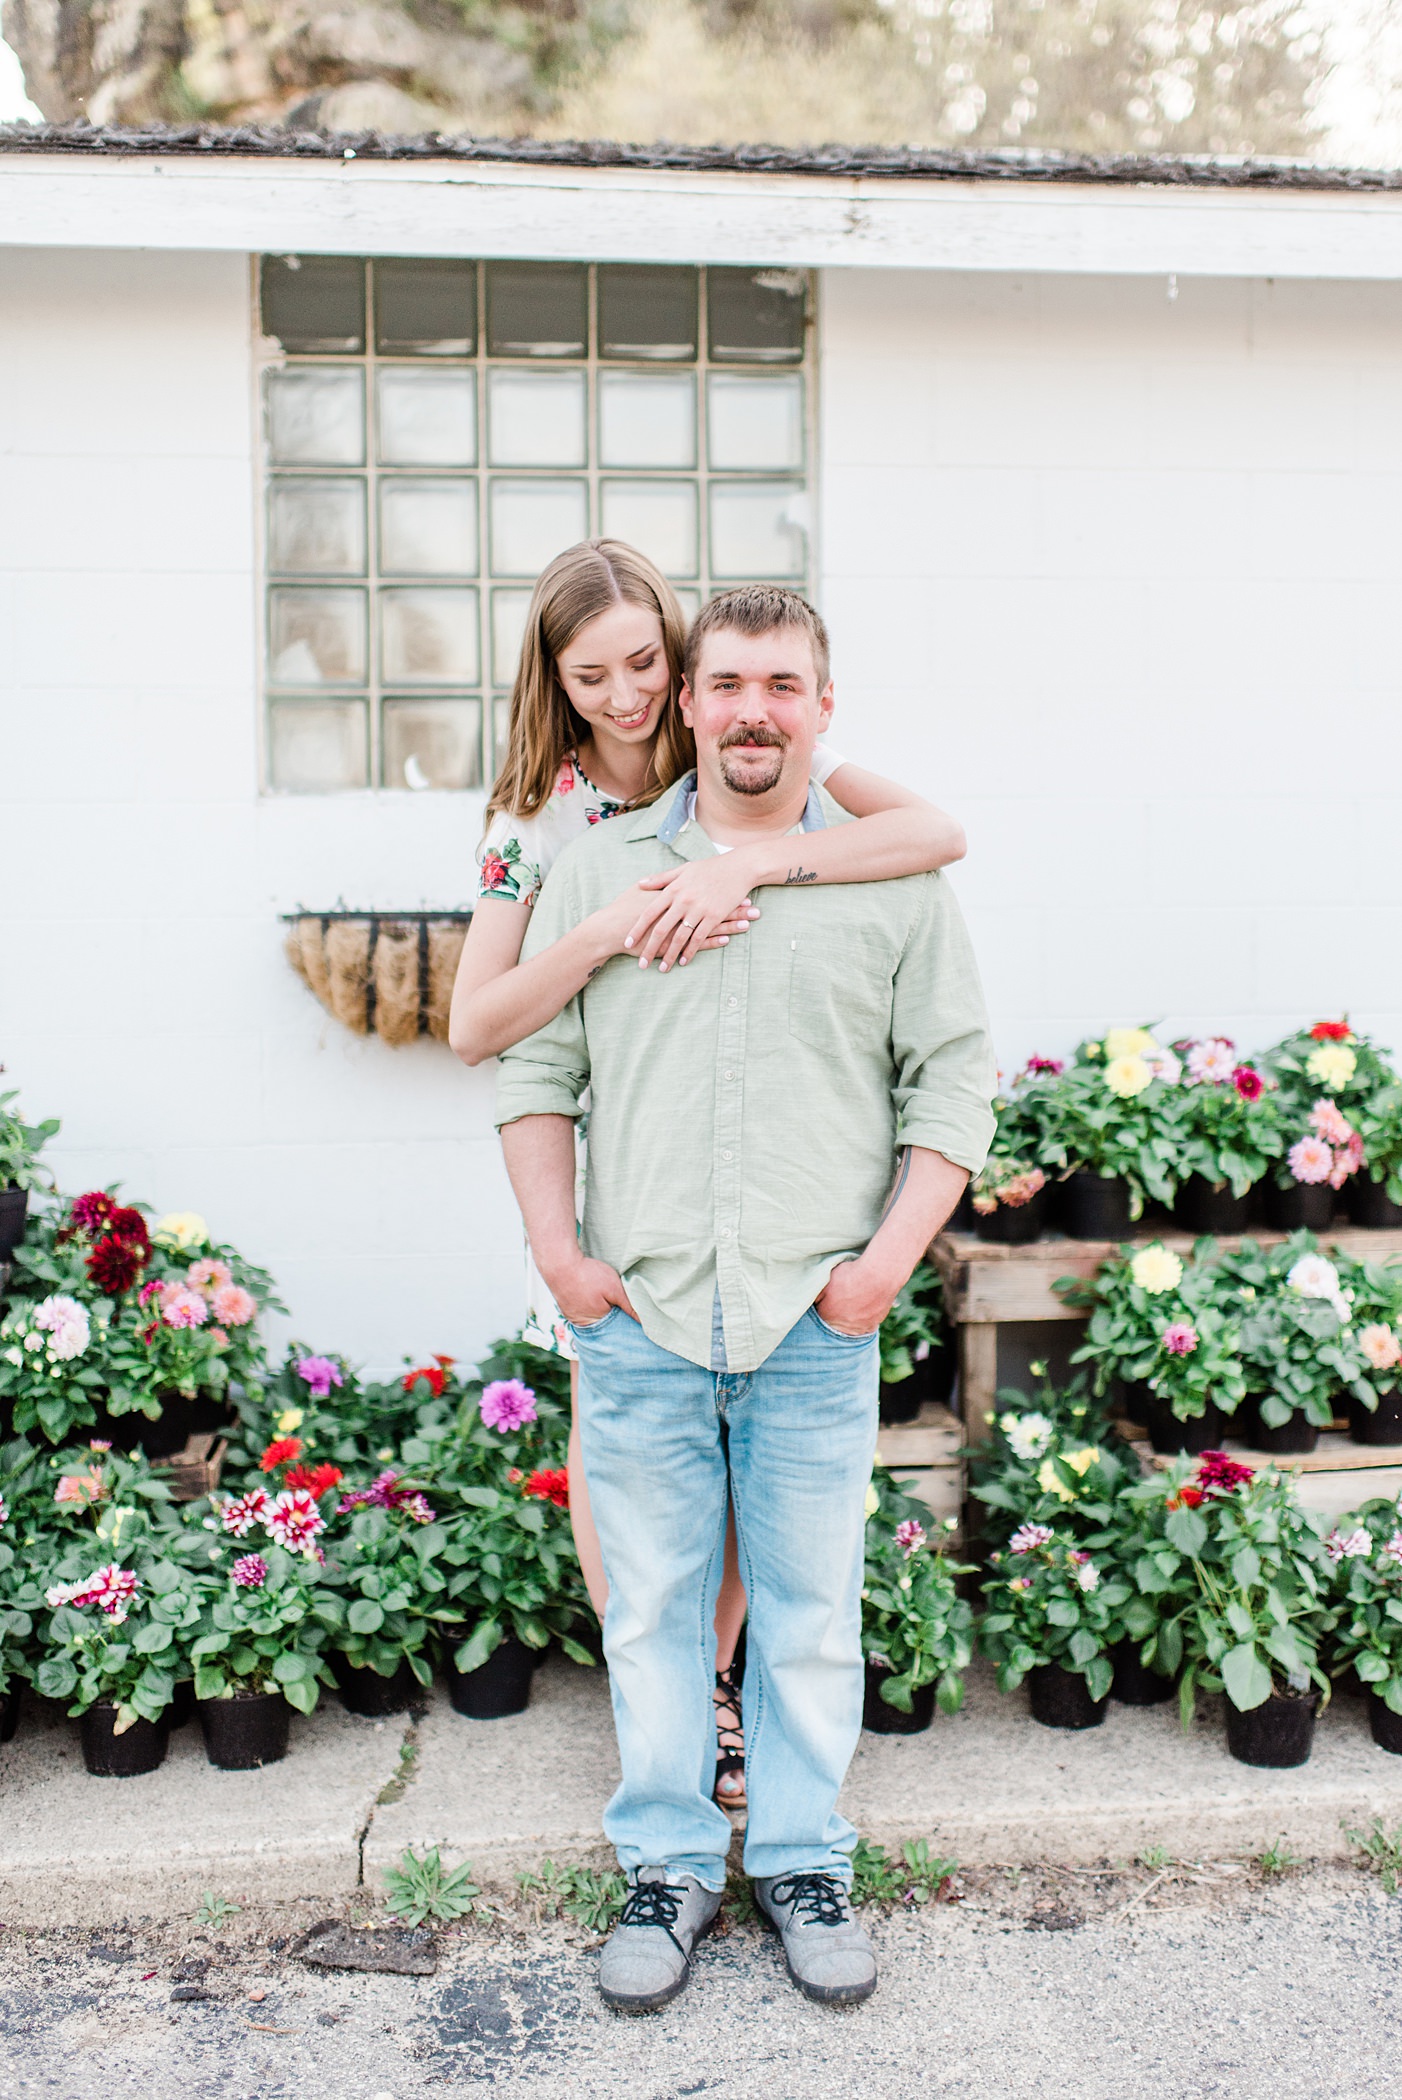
[(902, 1400), (245, 1731), (963, 1217), (1093, 1206), (367, 1693), (1167, 1435), (181, 1417), (1199, 1207), (14, 1205), (182, 1704), (1061, 1698), (1383, 1425), (1279, 1733), (883, 1719), (501, 1686), (1014, 1224), (1291, 1439), (1385, 1724), (1135, 1683), (1370, 1206), (1304, 1204), (140, 1748), (9, 1712)]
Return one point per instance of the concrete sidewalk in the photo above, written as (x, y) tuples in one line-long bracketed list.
[(989, 1785)]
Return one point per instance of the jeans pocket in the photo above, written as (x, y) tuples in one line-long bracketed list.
[(592, 1327), (858, 1340)]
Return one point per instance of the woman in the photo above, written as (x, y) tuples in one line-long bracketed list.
[(596, 729)]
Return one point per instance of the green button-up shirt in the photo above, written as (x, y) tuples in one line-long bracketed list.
[(746, 1112)]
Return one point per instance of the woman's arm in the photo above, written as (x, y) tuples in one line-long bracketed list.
[(498, 1000), (896, 833)]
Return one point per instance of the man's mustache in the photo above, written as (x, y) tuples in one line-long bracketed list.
[(760, 733)]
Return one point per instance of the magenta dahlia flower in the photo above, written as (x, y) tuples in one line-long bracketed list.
[(507, 1404)]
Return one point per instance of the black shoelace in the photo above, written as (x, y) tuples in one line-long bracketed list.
[(655, 1903), (817, 1899)]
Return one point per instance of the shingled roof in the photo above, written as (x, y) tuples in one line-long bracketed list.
[(927, 164)]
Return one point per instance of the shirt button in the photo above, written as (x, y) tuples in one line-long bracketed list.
[(732, 1002), (725, 1232), (728, 1075), (727, 1157)]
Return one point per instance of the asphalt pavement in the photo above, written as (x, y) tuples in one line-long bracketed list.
[(1132, 1983)]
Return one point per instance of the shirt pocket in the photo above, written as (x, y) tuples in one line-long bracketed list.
[(839, 991)]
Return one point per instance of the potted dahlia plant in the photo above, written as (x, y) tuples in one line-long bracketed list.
[(1375, 1194), (917, 1631), (1374, 1296), (53, 1373), (1009, 1195), (115, 1642), (1048, 1462), (1298, 1339), (1109, 1133), (1260, 1606), (1367, 1635), (21, 1584), (1053, 1618), (265, 1621), (917, 1348), (1332, 1083), (1226, 1130), (383, 1549), (1168, 1329), (512, 1575), (20, 1146)]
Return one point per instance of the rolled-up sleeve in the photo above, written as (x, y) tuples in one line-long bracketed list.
[(548, 1072), (946, 1071)]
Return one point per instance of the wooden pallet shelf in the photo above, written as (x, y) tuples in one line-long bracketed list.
[(988, 1285)]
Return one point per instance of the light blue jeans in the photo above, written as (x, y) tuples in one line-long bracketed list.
[(666, 1447)]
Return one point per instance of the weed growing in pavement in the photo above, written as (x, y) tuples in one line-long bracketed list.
[(591, 1899), (740, 1907), (215, 1910), (398, 1783), (1277, 1859), (1156, 1858), (1382, 1852), (418, 1889), (918, 1876)]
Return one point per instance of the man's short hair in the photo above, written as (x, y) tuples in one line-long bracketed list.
[(757, 608)]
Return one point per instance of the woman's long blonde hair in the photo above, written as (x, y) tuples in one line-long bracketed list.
[(580, 584)]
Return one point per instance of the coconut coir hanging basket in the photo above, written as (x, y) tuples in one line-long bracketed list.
[(384, 973)]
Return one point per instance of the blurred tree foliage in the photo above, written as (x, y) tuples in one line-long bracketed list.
[(1107, 76)]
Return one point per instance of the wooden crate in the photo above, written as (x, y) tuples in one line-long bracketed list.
[(194, 1471), (924, 1455), (987, 1286)]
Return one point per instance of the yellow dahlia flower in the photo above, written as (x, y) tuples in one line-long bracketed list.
[(1081, 1461), (873, 1500), (1156, 1270), (1128, 1076), (1332, 1064), (1128, 1042), (289, 1421), (1051, 1483), (182, 1228)]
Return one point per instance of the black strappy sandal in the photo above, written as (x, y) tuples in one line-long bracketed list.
[(730, 1739)]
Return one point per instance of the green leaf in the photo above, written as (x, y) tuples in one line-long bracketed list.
[(365, 1616), (1187, 1530), (1245, 1677)]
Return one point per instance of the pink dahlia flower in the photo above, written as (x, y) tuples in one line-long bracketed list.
[(1180, 1339), (1348, 1545), (111, 1589), (250, 1571), (209, 1275), (507, 1404), (1028, 1537), (1380, 1346), (294, 1520), (910, 1536), (319, 1373), (233, 1305), (1347, 1160), (239, 1516), (181, 1307), (1327, 1121), (1310, 1160), (1213, 1062), (1392, 1549)]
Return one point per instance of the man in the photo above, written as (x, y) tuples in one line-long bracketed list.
[(776, 1131)]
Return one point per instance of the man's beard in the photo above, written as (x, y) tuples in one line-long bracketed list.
[(751, 781)]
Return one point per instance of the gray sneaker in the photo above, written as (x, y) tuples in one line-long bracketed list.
[(646, 1960), (829, 1955)]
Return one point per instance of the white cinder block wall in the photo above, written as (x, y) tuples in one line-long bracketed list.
[(1116, 577), (1113, 576), (143, 992)]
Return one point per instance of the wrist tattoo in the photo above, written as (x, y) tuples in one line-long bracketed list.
[(800, 874)]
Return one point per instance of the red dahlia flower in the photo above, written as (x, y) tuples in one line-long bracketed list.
[(114, 1265), (280, 1452), (1186, 1498), (317, 1480), (434, 1375), (1332, 1032), (93, 1212), (1248, 1082), (1218, 1474), (550, 1484)]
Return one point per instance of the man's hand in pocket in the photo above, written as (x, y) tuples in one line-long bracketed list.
[(586, 1289)]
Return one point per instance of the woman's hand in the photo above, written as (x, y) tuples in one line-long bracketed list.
[(698, 905), (632, 925)]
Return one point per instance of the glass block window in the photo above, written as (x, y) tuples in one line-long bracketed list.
[(435, 431)]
